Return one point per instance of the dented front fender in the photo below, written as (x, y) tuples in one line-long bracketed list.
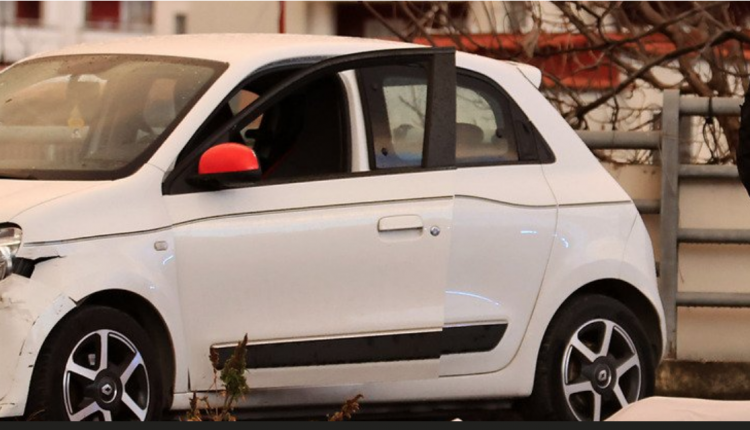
[(28, 312)]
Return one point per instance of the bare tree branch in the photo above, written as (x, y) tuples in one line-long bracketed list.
[(599, 59), (384, 21)]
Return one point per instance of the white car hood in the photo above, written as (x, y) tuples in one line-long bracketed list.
[(17, 197)]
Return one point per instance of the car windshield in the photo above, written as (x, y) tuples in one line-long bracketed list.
[(93, 117)]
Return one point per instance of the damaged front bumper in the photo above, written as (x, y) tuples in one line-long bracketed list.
[(29, 310)]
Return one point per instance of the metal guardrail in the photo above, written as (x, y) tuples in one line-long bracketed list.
[(621, 139), (716, 300), (667, 141), (708, 172), (699, 106), (714, 236)]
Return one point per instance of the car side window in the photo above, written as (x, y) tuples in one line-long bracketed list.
[(406, 106), (299, 137), (396, 98), (490, 128), (484, 133), (242, 99)]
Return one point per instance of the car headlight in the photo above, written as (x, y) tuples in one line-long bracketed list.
[(10, 241)]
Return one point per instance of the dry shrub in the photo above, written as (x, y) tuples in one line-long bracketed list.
[(235, 387)]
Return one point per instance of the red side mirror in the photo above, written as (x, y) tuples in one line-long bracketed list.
[(228, 165), (228, 158)]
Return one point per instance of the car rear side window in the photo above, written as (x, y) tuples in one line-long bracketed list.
[(483, 125), (490, 128)]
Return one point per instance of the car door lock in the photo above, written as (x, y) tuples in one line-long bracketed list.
[(435, 231)]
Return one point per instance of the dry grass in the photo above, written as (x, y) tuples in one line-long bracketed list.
[(234, 382)]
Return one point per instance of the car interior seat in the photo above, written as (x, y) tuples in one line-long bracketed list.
[(280, 125), (473, 148), (158, 113)]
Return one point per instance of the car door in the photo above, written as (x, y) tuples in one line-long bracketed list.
[(504, 212), (335, 276), (503, 226)]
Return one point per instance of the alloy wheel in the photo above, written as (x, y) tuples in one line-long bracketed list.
[(106, 379), (601, 370)]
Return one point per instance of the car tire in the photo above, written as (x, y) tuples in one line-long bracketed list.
[(98, 364), (595, 359)]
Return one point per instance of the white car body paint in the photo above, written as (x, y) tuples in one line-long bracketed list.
[(314, 230), (515, 243)]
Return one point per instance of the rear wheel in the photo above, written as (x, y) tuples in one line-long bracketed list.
[(595, 359), (98, 365)]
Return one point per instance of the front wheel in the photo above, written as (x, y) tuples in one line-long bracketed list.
[(98, 365), (595, 359)]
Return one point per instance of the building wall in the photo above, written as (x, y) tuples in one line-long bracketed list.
[(166, 14), (63, 23), (258, 17), (321, 18), (233, 17)]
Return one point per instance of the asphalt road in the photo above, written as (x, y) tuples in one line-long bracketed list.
[(416, 412)]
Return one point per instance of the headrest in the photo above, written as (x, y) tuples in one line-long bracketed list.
[(159, 113), (468, 134)]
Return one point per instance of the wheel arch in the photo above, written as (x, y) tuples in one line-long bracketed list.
[(631, 297), (146, 314)]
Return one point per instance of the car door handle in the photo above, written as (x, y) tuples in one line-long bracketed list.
[(400, 223)]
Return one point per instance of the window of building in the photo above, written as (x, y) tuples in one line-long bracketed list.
[(103, 14), (180, 23), (21, 13), (120, 15), (28, 12)]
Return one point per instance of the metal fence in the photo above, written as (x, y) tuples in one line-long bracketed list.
[(676, 109)]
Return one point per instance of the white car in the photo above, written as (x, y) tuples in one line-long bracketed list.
[(407, 223)]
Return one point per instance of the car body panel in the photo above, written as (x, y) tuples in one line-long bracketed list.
[(22, 303), (85, 267), (575, 164), (504, 218), (22, 196), (515, 380), (104, 208), (639, 268), (311, 255)]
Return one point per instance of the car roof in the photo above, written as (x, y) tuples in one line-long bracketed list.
[(245, 48), (227, 47)]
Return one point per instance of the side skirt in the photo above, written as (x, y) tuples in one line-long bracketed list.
[(370, 349)]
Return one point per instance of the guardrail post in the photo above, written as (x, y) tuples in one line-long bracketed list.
[(670, 217)]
